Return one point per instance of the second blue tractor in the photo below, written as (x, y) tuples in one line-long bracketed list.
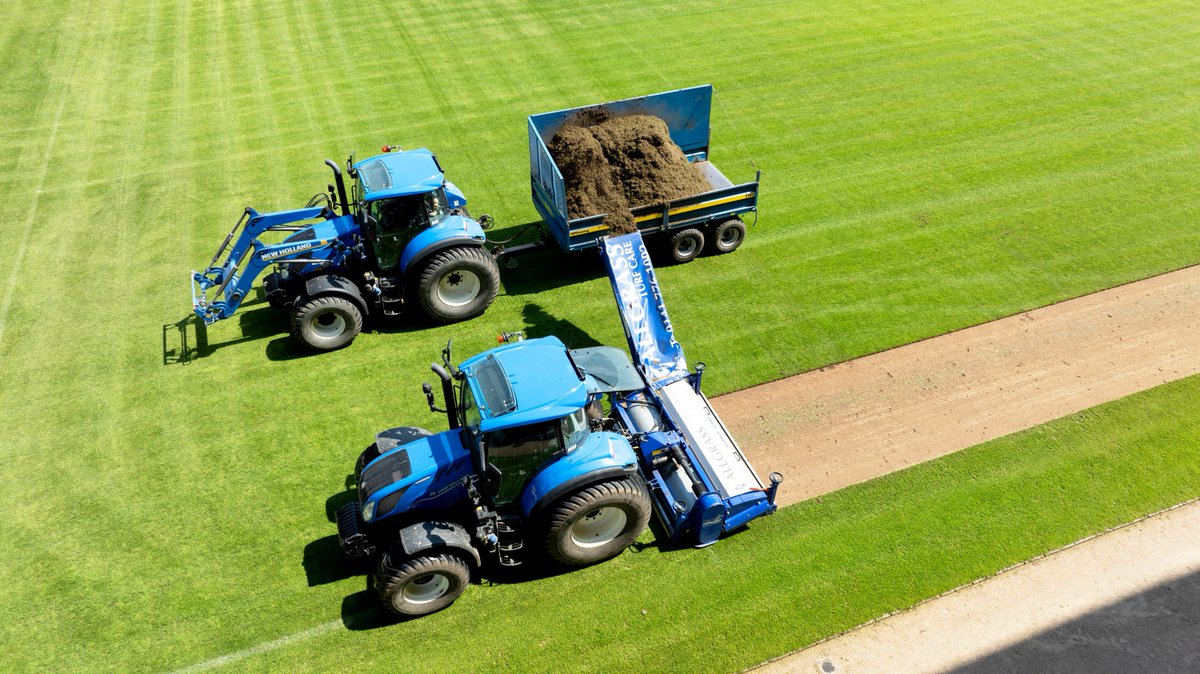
[(402, 239)]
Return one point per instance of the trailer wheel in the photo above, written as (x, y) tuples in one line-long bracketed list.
[(727, 236), (326, 323), (597, 522), (686, 244), (417, 586), (457, 284)]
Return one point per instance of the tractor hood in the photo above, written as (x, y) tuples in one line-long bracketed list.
[(425, 471)]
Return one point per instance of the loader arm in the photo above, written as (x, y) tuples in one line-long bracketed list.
[(219, 290)]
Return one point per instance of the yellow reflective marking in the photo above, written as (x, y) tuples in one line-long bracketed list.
[(673, 211), (695, 207), (588, 230)]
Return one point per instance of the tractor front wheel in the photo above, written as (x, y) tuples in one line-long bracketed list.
[(457, 284), (417, 586), (326, 323), (597, 522)]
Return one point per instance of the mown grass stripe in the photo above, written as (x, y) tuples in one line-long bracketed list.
[(926, 166)]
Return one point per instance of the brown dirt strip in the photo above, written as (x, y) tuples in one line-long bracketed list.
[(846, 423)]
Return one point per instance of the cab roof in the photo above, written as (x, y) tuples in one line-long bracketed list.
[(525, 383), (398, 174)]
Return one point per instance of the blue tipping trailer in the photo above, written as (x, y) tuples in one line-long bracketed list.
[(567, 450), (712, 214)]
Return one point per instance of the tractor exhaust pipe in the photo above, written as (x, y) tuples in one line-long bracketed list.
[(341, 185), (447, 393)]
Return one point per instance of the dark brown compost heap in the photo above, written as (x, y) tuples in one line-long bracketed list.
[(612, 164)]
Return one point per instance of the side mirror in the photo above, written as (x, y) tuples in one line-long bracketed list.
[(429, 398)]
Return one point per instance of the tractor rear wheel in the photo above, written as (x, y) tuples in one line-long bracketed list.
[(326, 323), (686, 244), (457, 284), (727, 236), (417, 586), (597, 522)]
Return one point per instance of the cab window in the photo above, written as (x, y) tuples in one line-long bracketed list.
[(574, 429), (517, 453)]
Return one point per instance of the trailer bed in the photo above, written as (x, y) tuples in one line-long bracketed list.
[(686, 113)]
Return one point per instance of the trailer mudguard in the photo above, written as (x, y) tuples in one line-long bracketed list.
[(419, 538), (331, 284), (455, 230), (647, 327), (603, 456)]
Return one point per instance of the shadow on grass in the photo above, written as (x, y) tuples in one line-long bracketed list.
[(187, 339), (325, 563), (534, 272), (362, 610), (541, 323), (551, 267)]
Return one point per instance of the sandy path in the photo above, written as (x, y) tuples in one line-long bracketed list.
[(1082, 609), (850, 422)]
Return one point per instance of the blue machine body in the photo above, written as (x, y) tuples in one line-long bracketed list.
[(399, 174), (319, 241), (701, 482), (601, 455), (524, 383), (514, 386), (322, 244), (425, 474), (665, 430)]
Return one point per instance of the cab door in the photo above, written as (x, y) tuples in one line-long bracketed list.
[(397, 221)]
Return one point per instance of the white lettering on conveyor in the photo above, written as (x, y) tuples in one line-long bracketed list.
[(635, 292)]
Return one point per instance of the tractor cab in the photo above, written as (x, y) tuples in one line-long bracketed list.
[(400, 195), (523, 405)]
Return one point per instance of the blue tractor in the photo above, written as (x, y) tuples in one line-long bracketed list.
[(550, 451), (403, 239)]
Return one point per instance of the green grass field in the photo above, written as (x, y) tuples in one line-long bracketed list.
[(927, 166)]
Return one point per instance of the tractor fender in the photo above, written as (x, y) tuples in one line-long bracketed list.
[(455, 230), (604, 456), (418, 538), (331, 284), (454, 196)]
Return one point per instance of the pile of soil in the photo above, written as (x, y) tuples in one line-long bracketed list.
[(611, 164)]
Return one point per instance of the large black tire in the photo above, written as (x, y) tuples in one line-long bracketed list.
[(326, 323), (597, 522), (685, 245), (457, 283), (417, 586), (727, 236)]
